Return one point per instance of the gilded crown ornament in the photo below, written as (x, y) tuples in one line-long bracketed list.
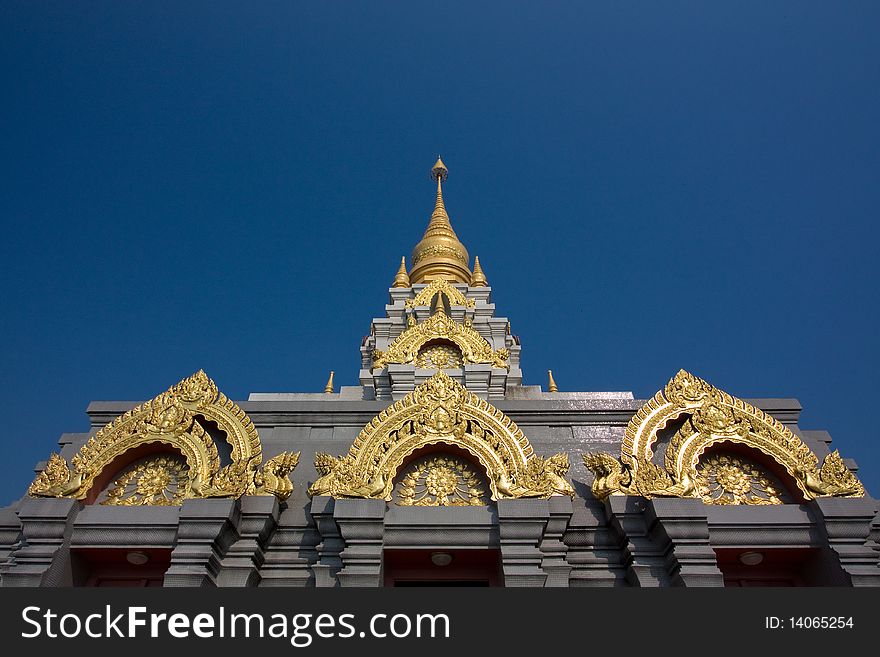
[(713, 418), (441, 411), (440, 254), (173, 420)]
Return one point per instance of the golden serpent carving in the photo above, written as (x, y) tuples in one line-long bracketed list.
[(437, 412), (171, 419), (713, 416), (474, 347), (440, 286)]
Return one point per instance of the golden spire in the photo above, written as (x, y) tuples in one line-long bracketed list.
[(552, 387), (402, 278), (328, 389), (440, 254), (479, 278)]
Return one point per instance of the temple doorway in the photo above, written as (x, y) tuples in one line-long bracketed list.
[(440, 567)]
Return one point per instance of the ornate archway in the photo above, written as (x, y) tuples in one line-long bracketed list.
[(171, 419), (711, 416), (474, 347), (441, 411)]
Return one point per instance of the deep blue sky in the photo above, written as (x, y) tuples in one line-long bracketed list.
[(649, 186)]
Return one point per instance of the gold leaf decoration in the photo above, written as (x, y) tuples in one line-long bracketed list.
[(730, 479), (711, 416), (441, 481), (159, 481), (439, 357), (440, 286), (173, 419), (441, 411), (474, 347)]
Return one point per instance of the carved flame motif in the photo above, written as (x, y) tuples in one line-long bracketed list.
[(171, 418), (474, 347), (441, 411), (713, 416)]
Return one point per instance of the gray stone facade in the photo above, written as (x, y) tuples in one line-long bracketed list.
[(624, 541), (556, 542)]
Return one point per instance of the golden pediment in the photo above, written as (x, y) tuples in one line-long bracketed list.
[(172, 419), (441, 411), (711, 417), (439, 326), (453, 295)]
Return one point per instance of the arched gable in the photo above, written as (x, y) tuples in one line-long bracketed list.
[(441, 411), (711, 416), (474, 347), (171, 419)]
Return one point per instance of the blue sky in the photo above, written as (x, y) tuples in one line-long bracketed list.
[(649, 186)]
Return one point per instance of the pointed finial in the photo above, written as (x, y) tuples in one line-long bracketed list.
[(552, 387), (439, 254), (328, 389), (478, 278), (439, 172), (402, 278)]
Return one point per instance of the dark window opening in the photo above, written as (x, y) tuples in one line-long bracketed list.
[(443, 567)]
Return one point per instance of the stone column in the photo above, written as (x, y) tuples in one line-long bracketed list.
[(521, 526), (44, 558), (848, 527), (554, 561), (683, 525), (593, 547), (645, 563), (10, 535), (242, 563), (207, 528), (476, 379), (362, 525), (331, 544), (402, 378)]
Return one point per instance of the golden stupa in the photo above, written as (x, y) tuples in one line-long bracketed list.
[(440, 254)]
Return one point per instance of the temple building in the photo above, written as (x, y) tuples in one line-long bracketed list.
[(442, 468)]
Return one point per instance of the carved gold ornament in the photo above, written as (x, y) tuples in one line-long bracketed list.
[(711, 416), (474, 347), (440, 286), (160, 481), (439, 357), (441, 481), (439, 254), (441, 411), (730, 479), (172, 418)]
